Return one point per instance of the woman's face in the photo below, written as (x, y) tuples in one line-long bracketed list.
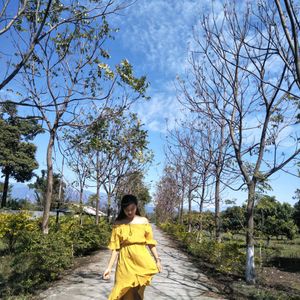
[(130, 210)]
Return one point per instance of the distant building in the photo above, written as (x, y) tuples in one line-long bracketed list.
[(89, 210)]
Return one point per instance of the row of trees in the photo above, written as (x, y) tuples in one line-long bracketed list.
[(57, 70), (272, 219), (242, 109)]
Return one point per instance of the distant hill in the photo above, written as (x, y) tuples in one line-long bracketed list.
[(22, 191)]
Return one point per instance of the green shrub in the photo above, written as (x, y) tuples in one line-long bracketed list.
[(269, 253), (36, 258), (13, 227), (87, 237), (232, 258), (43, 260), (228, 257)]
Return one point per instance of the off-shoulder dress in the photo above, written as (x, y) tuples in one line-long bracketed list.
[(135, 266)]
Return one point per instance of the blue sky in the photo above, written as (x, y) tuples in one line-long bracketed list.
[(155, 36)]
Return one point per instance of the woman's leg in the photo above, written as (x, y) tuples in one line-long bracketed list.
[(136, 293), (130, 295), (141, 290)]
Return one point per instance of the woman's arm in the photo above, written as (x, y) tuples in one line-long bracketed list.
[(156, 257), (113, 257)]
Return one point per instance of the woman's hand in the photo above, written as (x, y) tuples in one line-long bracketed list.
[(106, 274)]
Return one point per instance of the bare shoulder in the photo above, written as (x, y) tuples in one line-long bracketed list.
[(141, 220), (146, 221)]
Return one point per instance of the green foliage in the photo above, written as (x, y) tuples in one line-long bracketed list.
[(42, 260), (256, 292), (234, 218), (17, 155), (125, 71), (20, 204), (227, 257), (134, 183), (13, 227), (40, 188), (85, 238), (92, 200), (36, 258), (273, 218), (112, 142), (206, 219), (296, 214), (177, 230), (268, 253)]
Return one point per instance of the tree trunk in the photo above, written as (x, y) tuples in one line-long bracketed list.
[(218, 182), (250, 266), (181, 209), (217, 209), (81, 205), (108, 205), (49, 192), (97, 202), (60, 191), (201, 212), (190, 212), (97, 191), (5, 188)]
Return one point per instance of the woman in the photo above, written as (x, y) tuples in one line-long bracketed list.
[(130, 235)]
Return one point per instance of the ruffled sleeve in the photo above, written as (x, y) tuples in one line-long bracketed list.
[(114, 243), (149, 236)]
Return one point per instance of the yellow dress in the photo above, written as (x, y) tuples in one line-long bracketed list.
[(136, 265)]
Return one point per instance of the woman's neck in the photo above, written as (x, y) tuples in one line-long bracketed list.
[(129, 220)]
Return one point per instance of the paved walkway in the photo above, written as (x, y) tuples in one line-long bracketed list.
[(180, 279)]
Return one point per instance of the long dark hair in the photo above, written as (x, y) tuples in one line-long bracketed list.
[(127, 200)]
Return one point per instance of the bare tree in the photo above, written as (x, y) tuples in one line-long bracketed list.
[(244, 77), (181, 155), (119, 144), (167, 195), (24, 24), (282, 22), (78, 159), (98, 121), (67, 70), (211, 129)]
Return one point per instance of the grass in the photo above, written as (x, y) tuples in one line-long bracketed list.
[(5, 271), (288, 248)]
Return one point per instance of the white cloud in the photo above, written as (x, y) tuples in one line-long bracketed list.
[(159, 30), (160, 113), (158, 35)]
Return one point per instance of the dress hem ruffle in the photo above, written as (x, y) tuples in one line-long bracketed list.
[(139, 282)]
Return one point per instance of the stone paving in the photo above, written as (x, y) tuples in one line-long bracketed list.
[(180, 279)]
